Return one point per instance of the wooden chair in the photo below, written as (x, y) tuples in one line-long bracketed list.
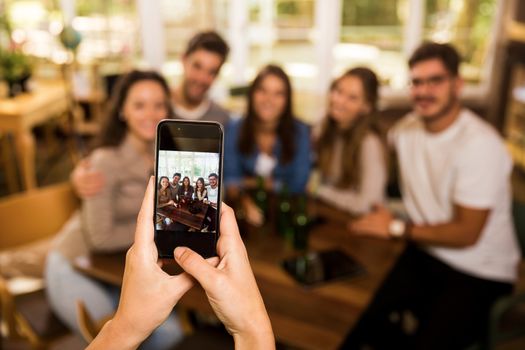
[(89, 328), (507, 316), (25, 218)]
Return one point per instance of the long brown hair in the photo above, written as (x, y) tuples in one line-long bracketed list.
[(286, 119), (163, 191), (353, 137), (201, 180), (114, 127), (184, 187)]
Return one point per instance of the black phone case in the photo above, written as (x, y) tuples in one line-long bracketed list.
[(166, 241)]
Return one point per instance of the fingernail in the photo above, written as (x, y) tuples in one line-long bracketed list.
[(179, 251)]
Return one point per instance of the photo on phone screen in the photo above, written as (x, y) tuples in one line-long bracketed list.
[(188, 172)]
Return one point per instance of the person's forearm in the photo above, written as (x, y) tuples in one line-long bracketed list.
[(452, 234), (354, 202), (262, 339), (114, 336)]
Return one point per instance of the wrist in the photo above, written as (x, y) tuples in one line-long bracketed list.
[(399, 229), (256, 332), (128, 336), (261, 338), (114, 336)]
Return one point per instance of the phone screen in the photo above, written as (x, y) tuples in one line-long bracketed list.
[(188, 172), (317, 267)]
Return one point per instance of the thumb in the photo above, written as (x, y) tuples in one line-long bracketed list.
[(195, 265)]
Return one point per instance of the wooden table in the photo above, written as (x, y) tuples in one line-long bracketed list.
[(315, 318), (19, 114), (182, 214)]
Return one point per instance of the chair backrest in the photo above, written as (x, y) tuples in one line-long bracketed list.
[(7, 307), (35, 214), (87, 326)]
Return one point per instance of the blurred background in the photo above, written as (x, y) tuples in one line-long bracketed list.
[(86, 43)]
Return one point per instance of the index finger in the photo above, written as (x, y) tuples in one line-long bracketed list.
[(144, 230)]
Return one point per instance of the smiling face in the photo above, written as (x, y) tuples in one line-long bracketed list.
[(200, 70), (269, 99), (144, 108), (213, 181), (434, 90), (347, 101), (200, 184), (186, 182), (164, 183)]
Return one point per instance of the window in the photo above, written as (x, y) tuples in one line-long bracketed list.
[(36, 27), (465, 24), (372, 33), (109, 30), (281, 32), (191, 164)]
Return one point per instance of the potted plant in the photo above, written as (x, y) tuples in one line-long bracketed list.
[(15, 69)]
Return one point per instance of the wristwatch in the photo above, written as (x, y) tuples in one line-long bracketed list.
[(397, 228)]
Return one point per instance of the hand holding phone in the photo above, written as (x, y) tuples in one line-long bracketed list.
[(194, 150)]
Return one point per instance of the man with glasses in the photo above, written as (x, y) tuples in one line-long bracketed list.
[(213, 196), (213, 189), (461, 253)]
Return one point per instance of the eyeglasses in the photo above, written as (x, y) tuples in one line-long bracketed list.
[(432, 81)]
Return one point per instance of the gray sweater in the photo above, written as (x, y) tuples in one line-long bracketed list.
[(106, 222)]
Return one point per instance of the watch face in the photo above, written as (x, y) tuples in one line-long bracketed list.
[(396, 228)]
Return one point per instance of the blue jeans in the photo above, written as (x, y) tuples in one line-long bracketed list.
[(65, 285)]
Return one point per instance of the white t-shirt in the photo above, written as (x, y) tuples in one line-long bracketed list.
[(466, 164), (213, 194), (194, 114), (264, 164)]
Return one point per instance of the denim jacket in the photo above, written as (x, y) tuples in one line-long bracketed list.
[(294, 174)]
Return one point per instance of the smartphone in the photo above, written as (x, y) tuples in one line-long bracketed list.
[(188, 172), (317, 267)]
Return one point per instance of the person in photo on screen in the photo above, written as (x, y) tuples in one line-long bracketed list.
[(201, 194), (213, 198), (186, 190), (175, 184), (213, 189), (164, 196)]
